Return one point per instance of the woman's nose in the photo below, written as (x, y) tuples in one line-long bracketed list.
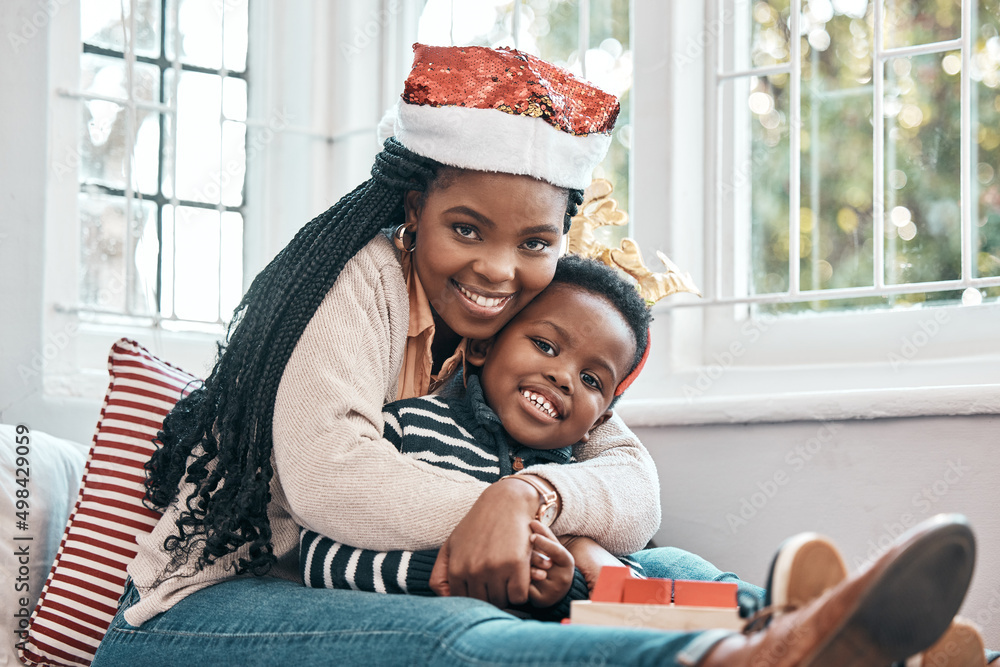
[(497, 266)]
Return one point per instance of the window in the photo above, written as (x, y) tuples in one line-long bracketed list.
[(557, 31), (856, 154), (162, 159), (713, 187)]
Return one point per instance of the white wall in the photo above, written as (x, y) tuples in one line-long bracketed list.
[(855, 481)]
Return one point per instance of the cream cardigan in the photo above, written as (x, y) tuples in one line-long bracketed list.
[(334, 473)]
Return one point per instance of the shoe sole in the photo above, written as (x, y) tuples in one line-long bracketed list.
[(910, 604), (960, 646), (814, 562)]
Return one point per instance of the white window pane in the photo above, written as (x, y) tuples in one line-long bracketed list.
[(145, 258), (102, 252), (146, 166), (167, 157), (234, 163), (196, 273), (108, 248), (474, 23), (235, 23), (556, 31), (755, 32), (102, 144), (836, 210), (102, 21), (769, 38), (167, 263), (234, 98), (909, 22), (768, 105), (232, 263), (836, 51), (923, 236), (199, 104), (199, 24), (104, 75)]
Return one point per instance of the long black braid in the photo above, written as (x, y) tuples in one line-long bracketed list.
[(220, 434)]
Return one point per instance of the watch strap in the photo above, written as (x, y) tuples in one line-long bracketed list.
[(547, 498)]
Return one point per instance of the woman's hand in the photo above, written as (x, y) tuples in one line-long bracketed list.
[(488, 554), (589, 556)]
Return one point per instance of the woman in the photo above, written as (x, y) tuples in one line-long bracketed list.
[(491, 151)]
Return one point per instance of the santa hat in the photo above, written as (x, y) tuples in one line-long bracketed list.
[(503, 110)]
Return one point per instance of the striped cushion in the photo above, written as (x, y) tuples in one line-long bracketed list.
[(81, 594)]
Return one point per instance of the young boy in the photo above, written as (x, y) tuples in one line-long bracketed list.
[(545, 380)]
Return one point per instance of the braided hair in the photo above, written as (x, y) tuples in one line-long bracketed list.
[(218, 437)]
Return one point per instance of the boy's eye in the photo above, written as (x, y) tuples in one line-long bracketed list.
[(544, 347), (590, 380), (466, 231), (536, 245)]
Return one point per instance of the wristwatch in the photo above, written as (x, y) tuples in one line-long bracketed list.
[(547, 510)]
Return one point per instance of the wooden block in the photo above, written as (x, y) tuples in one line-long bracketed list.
[(705, 594), (609, 586), (647, 591), (658, 616)]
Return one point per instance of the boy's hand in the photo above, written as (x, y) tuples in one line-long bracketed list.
[(589, 556), (551, 567)]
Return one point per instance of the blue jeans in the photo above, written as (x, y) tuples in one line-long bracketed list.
[(269, 621)]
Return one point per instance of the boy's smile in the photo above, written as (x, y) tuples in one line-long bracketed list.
[(551, 373)]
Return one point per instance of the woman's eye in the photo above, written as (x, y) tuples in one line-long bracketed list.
[(544, 347), (536, 245), (466, 231), (590, 380)]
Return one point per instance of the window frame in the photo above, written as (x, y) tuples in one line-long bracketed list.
[(722, 363), (325, 49)]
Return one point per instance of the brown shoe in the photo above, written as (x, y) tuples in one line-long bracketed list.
[(960, 646), (898, 606), (809, 564)]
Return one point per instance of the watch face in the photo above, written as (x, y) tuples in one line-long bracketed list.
[(548, 515)]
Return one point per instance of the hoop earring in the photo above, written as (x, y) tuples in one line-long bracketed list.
[(399, 241)]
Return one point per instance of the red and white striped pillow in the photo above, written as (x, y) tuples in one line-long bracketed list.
[(80, 596)]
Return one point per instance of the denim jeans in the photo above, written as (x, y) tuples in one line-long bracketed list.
[(269, 621)]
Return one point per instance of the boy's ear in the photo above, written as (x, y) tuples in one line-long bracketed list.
[(600, 420), (477, 349)]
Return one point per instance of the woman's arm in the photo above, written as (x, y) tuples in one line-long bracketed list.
[(612, 494), (339, 477)]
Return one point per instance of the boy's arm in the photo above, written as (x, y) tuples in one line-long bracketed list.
[(615, 480), (392, 430), (326, 563)]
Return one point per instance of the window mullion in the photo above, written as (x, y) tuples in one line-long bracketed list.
[(794, 139), (965, 151), (878, 152), (130, 131), (713, 165), (176, 79)]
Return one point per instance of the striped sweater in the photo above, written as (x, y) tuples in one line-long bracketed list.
[(459, 433)]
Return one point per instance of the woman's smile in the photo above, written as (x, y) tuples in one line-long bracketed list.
[(481, 302)]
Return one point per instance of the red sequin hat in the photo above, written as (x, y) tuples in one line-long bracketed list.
[(503, 110)]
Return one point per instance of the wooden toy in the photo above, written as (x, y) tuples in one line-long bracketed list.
[(621, 599)]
